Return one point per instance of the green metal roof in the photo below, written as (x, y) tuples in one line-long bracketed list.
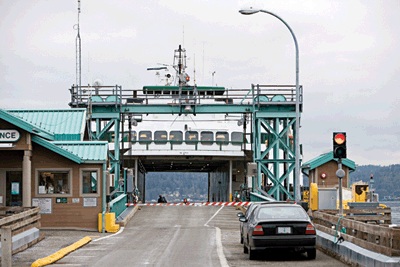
[(60, 131), (79, 152), (62, 124), (88, 151), (322, 159), (25, 125)]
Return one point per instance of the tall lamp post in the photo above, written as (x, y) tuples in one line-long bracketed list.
[(297, 124)]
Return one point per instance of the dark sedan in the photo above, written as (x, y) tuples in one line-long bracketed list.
[(278, 226), (246, 215)]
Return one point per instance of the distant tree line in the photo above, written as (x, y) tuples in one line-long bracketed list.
[(386, 178), (386, 181)]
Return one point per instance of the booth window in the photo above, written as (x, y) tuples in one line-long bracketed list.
[(89, 179), (54, 182)]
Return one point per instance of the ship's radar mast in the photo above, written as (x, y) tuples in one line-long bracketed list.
[(182, 78)]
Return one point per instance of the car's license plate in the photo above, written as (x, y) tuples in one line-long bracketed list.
[(284, 230)]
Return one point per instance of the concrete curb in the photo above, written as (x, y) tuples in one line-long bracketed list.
[(352, 254), (61, 253), (126, 216)]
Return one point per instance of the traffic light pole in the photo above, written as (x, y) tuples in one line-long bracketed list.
[(340, 174)]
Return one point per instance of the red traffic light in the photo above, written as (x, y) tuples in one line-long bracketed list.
[(339, 145), (339, 138)]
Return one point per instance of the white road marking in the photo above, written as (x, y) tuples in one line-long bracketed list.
[(105, 237), (212, 217), (220, 248)]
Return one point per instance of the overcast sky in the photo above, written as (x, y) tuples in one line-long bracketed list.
[(349, 57)]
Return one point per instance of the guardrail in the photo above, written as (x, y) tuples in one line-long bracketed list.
[(115, 95), (14, 222), (359, 230), (118, 204)]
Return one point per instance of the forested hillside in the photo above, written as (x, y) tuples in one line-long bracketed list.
[(176, 186), (386, 179)]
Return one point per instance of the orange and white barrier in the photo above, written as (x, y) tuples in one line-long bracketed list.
[(245, 203)]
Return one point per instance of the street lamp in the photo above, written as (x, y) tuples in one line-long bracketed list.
[(297, 124)]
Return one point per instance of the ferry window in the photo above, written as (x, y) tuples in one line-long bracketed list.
[(54, 182), (89, 181), (144, 136), (176, 137), (160, 136), (133, 136), (237, 138), (207, 137), (222, 137), (191, 136)]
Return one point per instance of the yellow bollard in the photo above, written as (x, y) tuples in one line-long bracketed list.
[(110, 225)]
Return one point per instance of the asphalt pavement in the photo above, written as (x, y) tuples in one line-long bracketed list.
[(90, 254), (53, 242)]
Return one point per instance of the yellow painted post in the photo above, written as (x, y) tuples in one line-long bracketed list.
[(109, 223), (314, 196)]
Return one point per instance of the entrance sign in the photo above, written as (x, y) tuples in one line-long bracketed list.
[(9, 135)]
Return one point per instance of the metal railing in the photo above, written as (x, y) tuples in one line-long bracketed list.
[(379, 238), (118, 204), (114, 95)]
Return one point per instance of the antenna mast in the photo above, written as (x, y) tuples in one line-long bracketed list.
[(78, 54)]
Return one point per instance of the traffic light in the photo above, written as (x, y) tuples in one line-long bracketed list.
[(339, 145)]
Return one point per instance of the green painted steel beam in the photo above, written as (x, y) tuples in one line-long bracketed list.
[(105, 114), (272, 115), (269, 111), (176, 109)]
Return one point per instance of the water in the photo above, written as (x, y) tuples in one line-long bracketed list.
[(395, 206)]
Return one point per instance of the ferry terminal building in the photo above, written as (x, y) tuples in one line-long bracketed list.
[(45, 161)]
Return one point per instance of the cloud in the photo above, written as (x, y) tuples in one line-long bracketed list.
[(349, 57)]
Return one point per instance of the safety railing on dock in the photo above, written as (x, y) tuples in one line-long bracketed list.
[(14, 221), (368, 229), (118, 204)]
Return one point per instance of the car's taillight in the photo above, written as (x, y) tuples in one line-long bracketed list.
[(310, 230), (258, 230)]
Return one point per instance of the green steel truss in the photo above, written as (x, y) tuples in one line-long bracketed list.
[(271, 108)]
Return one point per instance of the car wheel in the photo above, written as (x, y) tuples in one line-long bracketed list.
[(245, 249), (252, 254), (311, 253)]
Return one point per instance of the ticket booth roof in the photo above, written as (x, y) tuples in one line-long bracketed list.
[(324, 158), (52, 124), (79, 152), (60, 131)]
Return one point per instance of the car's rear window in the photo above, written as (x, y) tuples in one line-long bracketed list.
[(282, 212)]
